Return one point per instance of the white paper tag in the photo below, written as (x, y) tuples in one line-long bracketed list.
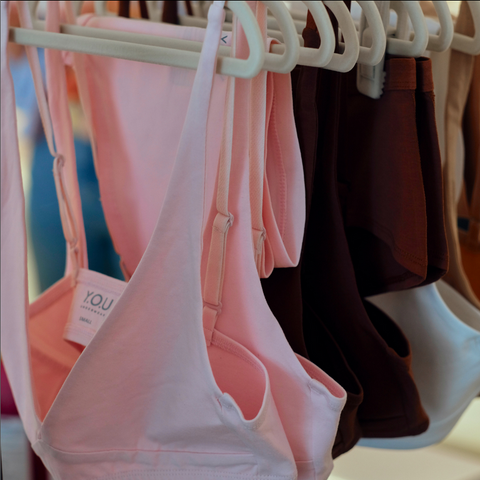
[(95, 296)]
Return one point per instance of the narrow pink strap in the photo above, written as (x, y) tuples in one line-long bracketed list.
[(226, 152), (63, 131), (33, 60), (80, 75), (212, 294), (70, 213), (70, 230), (195, 129), (213, 286), (257, 135)]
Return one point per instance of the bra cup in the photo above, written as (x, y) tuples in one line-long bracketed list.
[(445, 360), (141, 399), (241, 379), (331, 356), (325, 395), (52, 358), (390, 405), (309, 415), (270, 447), (249, 430), (459, 305), (245, 317), (208, 418)]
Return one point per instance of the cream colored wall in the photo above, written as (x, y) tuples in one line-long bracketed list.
[(454, 7)]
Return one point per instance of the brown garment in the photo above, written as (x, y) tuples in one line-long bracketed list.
[(431, 163), (124, 9), (351, 340), (385, 227), (170, 11), (283, 288), (459, 82), (382, 185)]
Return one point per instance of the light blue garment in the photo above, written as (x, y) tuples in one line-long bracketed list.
[(44, 220), (46, 228), (25, 98), (445, 358)]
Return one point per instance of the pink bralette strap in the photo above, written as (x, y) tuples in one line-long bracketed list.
[(257, 137), (212, 292), (67, 212)]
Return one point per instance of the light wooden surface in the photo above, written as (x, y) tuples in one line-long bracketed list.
[(457, 458)]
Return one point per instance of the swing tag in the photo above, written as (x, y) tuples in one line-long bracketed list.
[(94, 298)]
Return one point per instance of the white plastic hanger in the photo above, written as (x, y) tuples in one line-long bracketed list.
[(442, 41), (436, 43), (465, 44), (272, 23), (372, 54), (286, 62), (316, 57), (141, 39), (369, 55), (154, 12), (308, 56), (197, 21), (401, 44), (370, 79), (319, 57), (344, 62), (298, 12), (96, 41), (281, 60)]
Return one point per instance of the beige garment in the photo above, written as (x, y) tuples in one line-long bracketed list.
[(469, 207), (459, 81), (440, 69), (429, 10)]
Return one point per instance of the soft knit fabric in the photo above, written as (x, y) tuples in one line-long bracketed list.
[(121, 132), (318, 305), (146, 398), (309, 401), (459, 82), (469, 231), (431, 163), (382, 190), (268, 212), (446, 358)]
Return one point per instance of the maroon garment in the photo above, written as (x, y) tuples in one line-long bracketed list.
[(283, 288), (170, 11), (380, 172), (124, 9), (373, 345), (431, 164), (353, 341), (7, 400)]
